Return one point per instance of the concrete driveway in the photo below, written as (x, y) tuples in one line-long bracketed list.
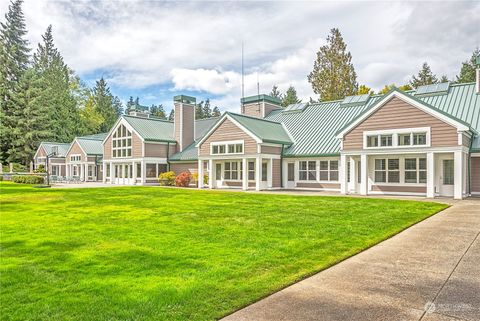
[(429, 272)]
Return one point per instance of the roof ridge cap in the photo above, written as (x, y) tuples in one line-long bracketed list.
[(256, 118), (148, 118)]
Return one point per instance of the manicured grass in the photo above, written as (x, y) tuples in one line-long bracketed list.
[(150, 253)]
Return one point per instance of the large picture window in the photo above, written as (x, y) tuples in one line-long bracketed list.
[(122, 142)]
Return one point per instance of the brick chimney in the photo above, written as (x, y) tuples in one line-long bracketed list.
[(184, 120), (259, 105)]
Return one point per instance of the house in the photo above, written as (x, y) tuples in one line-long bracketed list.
[(56, 160), (84, 158)]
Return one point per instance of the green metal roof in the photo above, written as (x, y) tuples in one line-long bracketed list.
[(203, 125), (151, 129), (100, 136), (61, 147), (190, 153), (185, 99), (314, 130), (267, 130), (257, 98)]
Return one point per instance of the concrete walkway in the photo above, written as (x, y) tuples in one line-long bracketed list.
[(429, 272)]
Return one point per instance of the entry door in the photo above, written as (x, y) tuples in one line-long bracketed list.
[(446, 177), (118, 174), (290, 175), (218, 174)]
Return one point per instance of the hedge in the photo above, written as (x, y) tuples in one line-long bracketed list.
[(167, 179), (28, 179)]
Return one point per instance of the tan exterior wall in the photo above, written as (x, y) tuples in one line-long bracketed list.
[(399, 189), (466, 141), (137, 146), (158, 150), (41, 152), (271, 150), (269, 107), (183, 167), (276, 180), (76, 150), (319, 185), (225, 132), (107, 148), (475, 174), (56, 160), (398, 114), (184, 124), (254, 110)]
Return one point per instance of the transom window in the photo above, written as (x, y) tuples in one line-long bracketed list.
[(75, 158), (397, 138), (122, 142), (227, 148)]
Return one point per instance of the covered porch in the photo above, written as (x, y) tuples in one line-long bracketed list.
[(246, 173), (134, 172), (420, 173)]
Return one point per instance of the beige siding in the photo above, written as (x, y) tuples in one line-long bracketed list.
[(475, 174), (466, 141), (225, 132), (269, 108), (57, 161), (137, 146), (254, 110), (41, 152), (399, 189), (276, 179), (76, 150), (319, 185), (184, 124), (398, 114), (184, 167), (107, 148), (158, 150), (271, 150)]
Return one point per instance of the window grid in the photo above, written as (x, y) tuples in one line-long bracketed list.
[(122, 142), (227, 149)]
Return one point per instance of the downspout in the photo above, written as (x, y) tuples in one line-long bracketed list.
[(281, 167), (168, 156)]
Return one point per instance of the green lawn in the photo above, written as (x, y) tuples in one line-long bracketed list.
[(150, 253)]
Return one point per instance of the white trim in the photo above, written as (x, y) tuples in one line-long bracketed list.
[(238, 156), (405, 151), (408, 100), (397, 193), (129, 160), (71, 145), (226, 143), (125, 122), (395, 133), (288, 133), (42, 147), (219, 122)]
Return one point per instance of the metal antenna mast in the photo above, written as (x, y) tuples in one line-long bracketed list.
[(243, 77)]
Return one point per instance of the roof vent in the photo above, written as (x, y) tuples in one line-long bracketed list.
[(355, 100), (295, 107), (433, 89)]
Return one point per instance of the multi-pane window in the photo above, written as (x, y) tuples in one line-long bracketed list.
[(372, 141), (232, 170), (75, 158), (419, 138), (151, 170), (387, 170), (385, 140), (402, 138), (264, 172), (415, 170), (307, 171), (107, 174), (122, 142), (334, 170), (329, 170), (227, 148), (324, 170), (251, 170)]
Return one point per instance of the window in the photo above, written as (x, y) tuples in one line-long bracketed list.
[(122, 142), (385, 140), (448, 172), (387, 170), (55, 170), (307, 170), (415, 170), (419, 138), (251, 170), (393, 170), (218, 171), (227, 148), (90, 170), (334, 170), (151, 170), (75, 158), (372, 141), (107, 174), (380, 171), (324, 170), (404, 140), (264, 172), (139, 170), (348, 171), (162, 168), (291, 172), (232, 170), (75, 171)]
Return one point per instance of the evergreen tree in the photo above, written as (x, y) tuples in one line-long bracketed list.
[(158, 111), (405, 87), (275, 92), (363, 90), (386, 89), (108, 106), (216, 112), (207, 111), (137, 103), (333, 75), (171, 116), (424, 77), (14, 59), (290, 97), (444, 78), (467, 72), (199, 110), (130, 105), (90, 117)]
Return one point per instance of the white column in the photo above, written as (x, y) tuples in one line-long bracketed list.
[(258, 173), (458, 175), (200, 173), (270, 173), (343, 175), (104, 172), (284, 173), (210, 174), (364, 174), (430, 175), (82, 172), (245, 174), (143, 177), (353, 174), (112, 173), (134, 173), (67, 170)]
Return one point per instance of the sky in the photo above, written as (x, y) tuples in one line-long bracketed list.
[(158, 49)]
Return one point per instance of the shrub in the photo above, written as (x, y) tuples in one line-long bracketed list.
[(1, 178), (195, 178), (40, 169), (167, 178), (17, 168), (28, 179), (183, 179)]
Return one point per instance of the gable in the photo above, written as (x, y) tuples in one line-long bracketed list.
[(40, 152), (228, 131), (398, 114), (75, 149)]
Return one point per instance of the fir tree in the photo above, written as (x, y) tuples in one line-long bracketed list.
[(290, 97), (199, 110), (130, 105), (171, 116), (363, 90), (216, 112), (14, 59), (108, 106), (207, 111), (424, 77), (467, 72), (333, 75), (158, 111), (275, 92)]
